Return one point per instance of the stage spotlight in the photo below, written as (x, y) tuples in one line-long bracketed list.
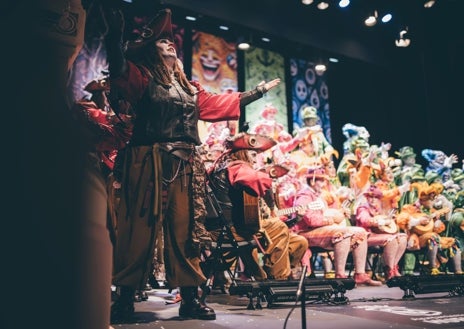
[(244, 43), (386, 18), (403, 40), (322, 5), (343, 3), (429, 3), (371, 20), (320, 68)]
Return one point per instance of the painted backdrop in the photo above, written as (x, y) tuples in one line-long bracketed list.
[(309, 88), (214, 66), (262, 64)]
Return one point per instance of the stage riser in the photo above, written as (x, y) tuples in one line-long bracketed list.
[(325, 289)]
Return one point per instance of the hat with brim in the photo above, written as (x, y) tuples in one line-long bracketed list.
[(405, 151), (316, 174), (309, 112), (268, 109), (275, 170), (459, 178), (246, 141), (418, 176), (359, 143), (159, 27), (457, 175), (374, 191), (431, 176)]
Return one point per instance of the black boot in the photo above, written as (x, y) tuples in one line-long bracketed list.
[(140, 296), (191, 307), (122, 310)]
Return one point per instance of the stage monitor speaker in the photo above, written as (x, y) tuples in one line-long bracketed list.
[(274, 290), (288, 294), (427, 284)]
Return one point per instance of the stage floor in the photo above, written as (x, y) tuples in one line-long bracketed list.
[(365, 308)]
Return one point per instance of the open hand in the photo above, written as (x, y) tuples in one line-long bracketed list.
[(269, 85)]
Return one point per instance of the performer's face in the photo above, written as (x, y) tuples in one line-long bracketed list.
[(166, 48), (373, 201), (252, 154)]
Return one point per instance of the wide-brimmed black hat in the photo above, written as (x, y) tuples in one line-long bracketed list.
[(159, 27)]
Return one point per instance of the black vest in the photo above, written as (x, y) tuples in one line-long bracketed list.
[(166, 115)]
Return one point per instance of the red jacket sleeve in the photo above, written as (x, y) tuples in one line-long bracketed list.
[(242, 175), (217, 107)]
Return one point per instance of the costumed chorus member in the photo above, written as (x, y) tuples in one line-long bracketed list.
[(383, 231), (325, 227), (233, 178)]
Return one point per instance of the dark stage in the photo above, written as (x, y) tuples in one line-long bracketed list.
[(399, 304)]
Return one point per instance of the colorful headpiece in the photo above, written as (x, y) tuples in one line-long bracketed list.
[(315, 173), (374, 191), (309, 112)]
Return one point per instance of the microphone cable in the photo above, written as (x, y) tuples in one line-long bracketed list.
[(299, 293)]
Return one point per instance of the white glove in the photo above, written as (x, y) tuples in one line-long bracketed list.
[(395, 163), (449, 161), (448, 183), (302, 133), (413, 222)]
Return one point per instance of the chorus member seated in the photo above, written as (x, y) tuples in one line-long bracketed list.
[(456, 222), (270, 209), (383, 230), (422, 220), (326, 227), (238, 187)]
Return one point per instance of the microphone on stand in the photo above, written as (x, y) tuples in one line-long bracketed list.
[(300, 284), (300, 293)]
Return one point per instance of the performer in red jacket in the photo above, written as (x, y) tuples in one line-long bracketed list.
[(163, 178)]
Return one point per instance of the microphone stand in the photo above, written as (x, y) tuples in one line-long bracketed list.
[(301, 294)]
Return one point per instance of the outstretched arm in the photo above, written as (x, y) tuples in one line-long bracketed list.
[(114, 20), (263, 87), (226, 106)]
